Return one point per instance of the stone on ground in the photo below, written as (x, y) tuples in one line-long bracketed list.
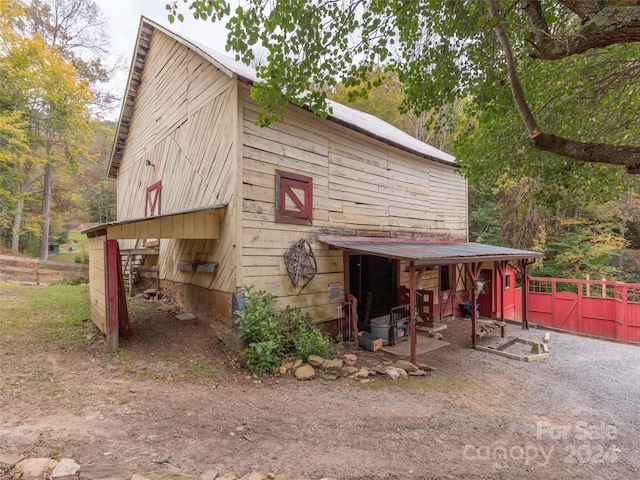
[(169, 475), (105, 472), (315, 360), (35, 467), (329, 375), (408, 366), (395, 373), (350, 359), (210, 474), (65, 468), (425, 367), (332, 365), (252, 476), (9, 459), (305, 372)]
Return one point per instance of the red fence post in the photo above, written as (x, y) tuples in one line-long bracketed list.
[(622, 329)]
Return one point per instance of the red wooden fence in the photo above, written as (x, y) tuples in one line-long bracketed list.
[(594, 307)]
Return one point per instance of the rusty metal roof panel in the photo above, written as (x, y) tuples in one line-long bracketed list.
[(426, 251)]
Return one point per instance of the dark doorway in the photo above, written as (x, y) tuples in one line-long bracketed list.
[(485, 298), (372, 280)]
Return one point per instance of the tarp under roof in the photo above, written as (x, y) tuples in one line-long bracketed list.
[(427, 252)]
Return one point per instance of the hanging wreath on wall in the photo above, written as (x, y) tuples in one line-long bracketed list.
[(301, 263)]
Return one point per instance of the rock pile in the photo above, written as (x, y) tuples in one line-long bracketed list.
[(346, 367)]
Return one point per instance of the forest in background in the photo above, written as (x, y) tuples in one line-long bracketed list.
[(54, 147)]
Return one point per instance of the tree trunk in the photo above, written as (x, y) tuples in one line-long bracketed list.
[(46, 216), (17, 224)]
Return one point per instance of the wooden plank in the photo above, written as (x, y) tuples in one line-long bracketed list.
[(503, 343), (510, 355)]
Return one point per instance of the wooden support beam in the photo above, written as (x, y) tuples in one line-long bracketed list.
[(525, 289), (501, 268), (473, 271), (111, 261)]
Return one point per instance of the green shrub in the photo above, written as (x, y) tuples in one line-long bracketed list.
[(262, 357), (310, 340), (273, 334), (82, 258), (258, 325)]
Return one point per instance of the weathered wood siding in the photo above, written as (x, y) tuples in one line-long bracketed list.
[(97, 286), (184, 123), (360, 187)]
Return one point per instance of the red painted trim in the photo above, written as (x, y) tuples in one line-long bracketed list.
[(285, 183), (111, 293), (153, 202)]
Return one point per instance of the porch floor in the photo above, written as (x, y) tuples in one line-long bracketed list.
[(424, 344)]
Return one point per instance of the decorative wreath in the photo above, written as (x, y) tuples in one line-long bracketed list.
[(301, 264)]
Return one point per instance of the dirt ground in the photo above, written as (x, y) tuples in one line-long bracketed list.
[(174, 394)]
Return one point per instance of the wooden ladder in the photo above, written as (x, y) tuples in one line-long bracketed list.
[(134, 262)]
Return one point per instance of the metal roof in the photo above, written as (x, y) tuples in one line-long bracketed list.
[(426, 252), (353, 119)]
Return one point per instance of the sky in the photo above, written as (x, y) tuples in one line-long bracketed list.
[(124, 19)]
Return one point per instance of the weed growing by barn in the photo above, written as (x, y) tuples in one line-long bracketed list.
[(272, 334)]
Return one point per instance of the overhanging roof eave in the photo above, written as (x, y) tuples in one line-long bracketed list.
[(427, 252), (479, 258), (104, 226)]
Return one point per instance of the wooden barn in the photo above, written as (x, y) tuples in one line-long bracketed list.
[(323, 213)]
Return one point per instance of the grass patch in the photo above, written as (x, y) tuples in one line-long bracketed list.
[(45, 317), (78, 240)]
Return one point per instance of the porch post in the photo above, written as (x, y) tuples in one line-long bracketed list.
[(501, 267), (525, 289), (412, 309), (473, 271), (414, 282)]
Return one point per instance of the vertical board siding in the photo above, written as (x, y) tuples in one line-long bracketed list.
[(97, 287), (184, 123), (360, 187)]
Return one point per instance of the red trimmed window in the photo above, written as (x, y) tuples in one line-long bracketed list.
[(294, 198), (152, 207), (153, 200)]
